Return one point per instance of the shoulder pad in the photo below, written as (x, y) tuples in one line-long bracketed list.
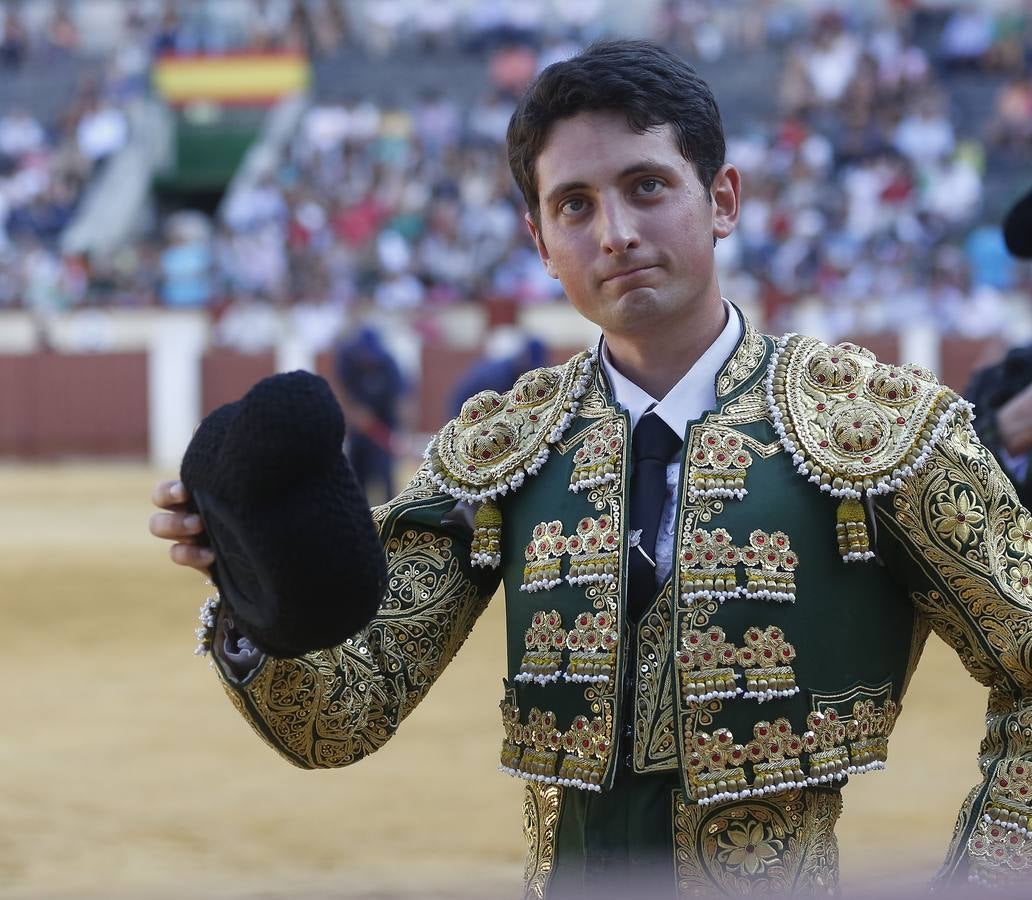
[(853, 425), (499, 439)]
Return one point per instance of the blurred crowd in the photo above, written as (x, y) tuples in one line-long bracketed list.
[(864, 169)]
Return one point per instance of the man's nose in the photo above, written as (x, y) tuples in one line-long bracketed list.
[(618, 228)]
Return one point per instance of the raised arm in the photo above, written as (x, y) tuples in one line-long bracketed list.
[(332, 707), (956, 533)]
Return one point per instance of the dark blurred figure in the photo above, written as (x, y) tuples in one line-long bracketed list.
[(1002, 393), (498, 369), (14, 41), (372, 385)]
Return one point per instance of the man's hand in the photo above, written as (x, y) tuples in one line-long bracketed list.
[(179, 524)]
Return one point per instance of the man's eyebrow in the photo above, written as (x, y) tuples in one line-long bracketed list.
[(640, 167)]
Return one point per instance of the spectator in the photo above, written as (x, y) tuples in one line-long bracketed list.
[(372, 386)]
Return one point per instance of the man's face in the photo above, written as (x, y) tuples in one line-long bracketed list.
[(626, 226)]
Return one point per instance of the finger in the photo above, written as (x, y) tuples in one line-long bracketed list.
[(169, 494), (191, 555), (176, 526)]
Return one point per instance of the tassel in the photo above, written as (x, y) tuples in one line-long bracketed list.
[(854, 543), (485, 551)]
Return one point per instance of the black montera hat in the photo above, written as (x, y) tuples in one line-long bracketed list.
[(1017, 228), (297, 556)]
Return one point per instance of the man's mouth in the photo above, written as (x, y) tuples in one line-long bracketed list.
[(627, 273)]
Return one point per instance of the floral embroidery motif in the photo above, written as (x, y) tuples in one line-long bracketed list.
[(543, 555), (833, 749), (717, 464), (1010, 799), (777, 846), (709, 561), (958, 516), (540, 751), (1000, 857), (594, 552), (852, 425), (498, 440), (544, 640), (592, 643), (766, 658), (748, 848), (598, 460), (706, 662)]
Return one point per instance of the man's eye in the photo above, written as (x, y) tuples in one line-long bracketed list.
[(649, 185), (572, 206)]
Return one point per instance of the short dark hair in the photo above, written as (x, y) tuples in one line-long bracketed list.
[(649, 84)]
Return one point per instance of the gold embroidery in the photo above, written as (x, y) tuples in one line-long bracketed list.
[(542, 806), (594, 552), (854, 425), (496, 441), (1010, 798), (834, 748), (782, 845), (597, 460), (592, 643), (544, 557), (332, 707), (1000, 857), (485, 548), (655, 746), (709, 561), (576, 756), (743, 363), (717, 463), (544, 640)]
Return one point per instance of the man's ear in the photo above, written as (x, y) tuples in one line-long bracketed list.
[(535, 234), (726, 192)]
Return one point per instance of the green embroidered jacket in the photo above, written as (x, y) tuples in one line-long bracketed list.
[(831, 510)]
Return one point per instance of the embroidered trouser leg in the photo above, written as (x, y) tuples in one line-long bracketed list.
[(640, 839)]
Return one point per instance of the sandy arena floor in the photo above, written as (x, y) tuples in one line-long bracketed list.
[(124, 771)]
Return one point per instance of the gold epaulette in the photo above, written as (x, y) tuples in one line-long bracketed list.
[(499, 439), (856, 427)]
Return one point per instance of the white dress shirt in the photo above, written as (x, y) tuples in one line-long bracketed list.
[(693, 395)]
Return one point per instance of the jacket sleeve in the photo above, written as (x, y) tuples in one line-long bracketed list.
[(957, 536), (332, 707)]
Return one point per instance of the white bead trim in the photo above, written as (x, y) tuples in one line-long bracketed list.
[(770, 694), (713, 695), (857, 556), (717, 493), (539, 679), (513, 482), (586, 679), (884, 484), (206, 632), (779, 788), (486, 560), (586, 483), (722, 596), (1009, 826), (590, 579), (544, 585), (551, 779)]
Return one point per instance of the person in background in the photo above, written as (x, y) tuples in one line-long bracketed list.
[(1002, 393), (372, 385), (507, 355)]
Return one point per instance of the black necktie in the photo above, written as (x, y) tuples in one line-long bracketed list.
[(653, 446)]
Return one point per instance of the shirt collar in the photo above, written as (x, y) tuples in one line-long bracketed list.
[(693, 395)]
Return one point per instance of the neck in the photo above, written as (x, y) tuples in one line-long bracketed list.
[(658, 361)]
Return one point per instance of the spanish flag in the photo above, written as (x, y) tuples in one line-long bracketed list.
[(251, 79)]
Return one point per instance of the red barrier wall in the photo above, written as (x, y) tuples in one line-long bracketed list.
[(81, 404)]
